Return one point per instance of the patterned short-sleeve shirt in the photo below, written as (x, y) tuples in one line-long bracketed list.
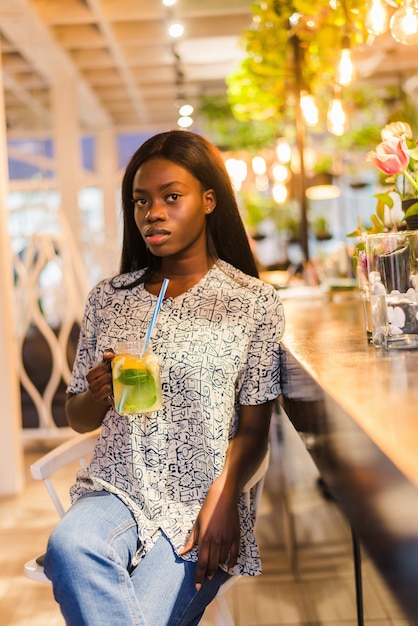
[(218, 345)]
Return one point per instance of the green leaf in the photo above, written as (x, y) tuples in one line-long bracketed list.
[(412, 210), (377, 223), (385, 198)]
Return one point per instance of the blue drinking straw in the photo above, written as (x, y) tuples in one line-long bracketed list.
[(156, 311)]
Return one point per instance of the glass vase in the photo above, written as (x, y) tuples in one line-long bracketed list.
[(393, 281)]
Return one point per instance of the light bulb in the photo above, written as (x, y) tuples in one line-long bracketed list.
[(283, 151), (259, 165), (186, 110), (309, 109), (337, 121), (345, 68), (237, 169), (184, 121), (280, 172), (279, 192), (404, 24), (377, 18), (176, 30)]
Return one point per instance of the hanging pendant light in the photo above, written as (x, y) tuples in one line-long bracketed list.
[(337, 119), (345, 68), (309, 109), (404, 23), (377, 17)]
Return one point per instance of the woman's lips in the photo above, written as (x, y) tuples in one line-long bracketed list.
[(156, 236)]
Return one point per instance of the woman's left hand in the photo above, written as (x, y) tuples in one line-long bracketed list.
[(216, 533)]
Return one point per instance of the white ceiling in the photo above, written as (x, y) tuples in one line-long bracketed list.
[(128, 70)]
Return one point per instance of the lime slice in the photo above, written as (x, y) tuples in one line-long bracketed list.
[(143, 393)]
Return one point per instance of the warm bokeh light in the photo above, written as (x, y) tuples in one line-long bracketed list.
[(280, 172), (176, 30), (377, 18), (404, 24), (345, 69), (259, 165), (337, 121), (283, 151), (184, 121), (237, 170), (186, 110), (279, 193), (309, 109), (323, 192)]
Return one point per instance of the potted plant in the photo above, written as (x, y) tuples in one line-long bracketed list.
[(397, 156), (321, 228)]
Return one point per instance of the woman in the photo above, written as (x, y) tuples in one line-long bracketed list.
[(157, 522)]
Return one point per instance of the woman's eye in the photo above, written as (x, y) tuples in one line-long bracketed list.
[(139, 202), (173, 197)]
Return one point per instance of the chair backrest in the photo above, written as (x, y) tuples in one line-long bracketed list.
[(78, 448)]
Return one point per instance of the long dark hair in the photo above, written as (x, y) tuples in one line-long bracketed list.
[(227, 238)]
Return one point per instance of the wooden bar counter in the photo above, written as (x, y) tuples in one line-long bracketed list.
[(356, 409)]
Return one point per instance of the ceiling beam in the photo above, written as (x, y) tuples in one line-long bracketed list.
[(23, 28), (117, 55)]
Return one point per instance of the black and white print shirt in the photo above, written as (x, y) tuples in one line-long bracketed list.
[(218, 345)]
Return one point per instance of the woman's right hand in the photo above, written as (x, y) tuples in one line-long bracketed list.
[(99, 379), (86, 410)]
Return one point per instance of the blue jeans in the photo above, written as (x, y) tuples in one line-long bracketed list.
[(88, 561)]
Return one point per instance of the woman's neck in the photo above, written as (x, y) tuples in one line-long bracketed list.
[(182, 277)]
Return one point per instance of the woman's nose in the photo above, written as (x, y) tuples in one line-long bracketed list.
[(154, 213)]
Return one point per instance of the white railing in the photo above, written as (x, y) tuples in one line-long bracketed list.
[(51, 285)]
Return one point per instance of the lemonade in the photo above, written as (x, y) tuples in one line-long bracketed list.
[(136, 380)]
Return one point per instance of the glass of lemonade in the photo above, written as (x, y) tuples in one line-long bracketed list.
[(136, 379)]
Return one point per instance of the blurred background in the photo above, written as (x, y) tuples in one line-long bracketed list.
[(294, 94)]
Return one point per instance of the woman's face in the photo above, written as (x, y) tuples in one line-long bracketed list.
[(171, 208)]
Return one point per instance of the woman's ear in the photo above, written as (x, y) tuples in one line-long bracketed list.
[(209, 200)]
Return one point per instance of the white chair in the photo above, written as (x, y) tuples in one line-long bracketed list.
[(79, 449)]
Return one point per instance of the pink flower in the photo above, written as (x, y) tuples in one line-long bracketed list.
[(391, 156)]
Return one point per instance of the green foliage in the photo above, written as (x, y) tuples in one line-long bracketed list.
[(321, 228), (229, 133), (256, 208), (382, 199), (412, 210), (263, 86)]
